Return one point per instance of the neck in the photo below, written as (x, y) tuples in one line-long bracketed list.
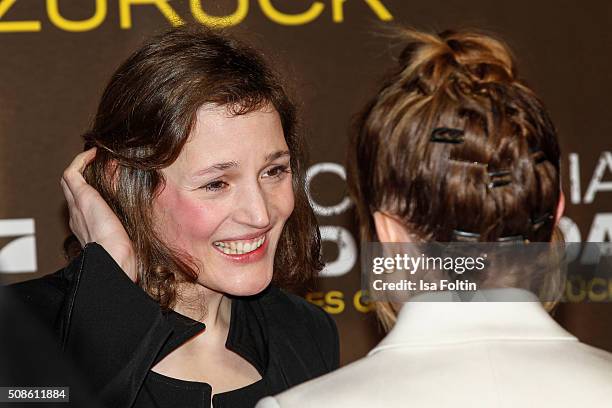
[(205, 305)]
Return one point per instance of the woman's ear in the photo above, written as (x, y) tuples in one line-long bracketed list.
[(390, 229), (560, 208)]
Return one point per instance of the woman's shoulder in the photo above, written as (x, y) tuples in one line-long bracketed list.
[(51, 284), (42, 296)]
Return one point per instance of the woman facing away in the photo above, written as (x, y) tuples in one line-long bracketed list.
[(191, 207), (455, 146)]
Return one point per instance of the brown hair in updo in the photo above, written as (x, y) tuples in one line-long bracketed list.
[(454, 141), (456, 146)]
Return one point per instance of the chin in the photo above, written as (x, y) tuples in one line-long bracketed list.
[(250, 285)]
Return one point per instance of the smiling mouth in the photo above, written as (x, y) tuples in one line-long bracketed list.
[(240, 247)]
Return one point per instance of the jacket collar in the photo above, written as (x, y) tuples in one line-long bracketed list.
[(441, 318), (247, 335)]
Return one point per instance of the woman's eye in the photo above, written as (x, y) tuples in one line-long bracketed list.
[(214, 185), (278, 171)]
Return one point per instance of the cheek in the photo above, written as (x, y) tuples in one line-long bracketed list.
[(285, 200), (184, 220)]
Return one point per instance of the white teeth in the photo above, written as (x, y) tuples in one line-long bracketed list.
[(239, 247)]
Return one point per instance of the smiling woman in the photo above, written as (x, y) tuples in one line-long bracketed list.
[(192, 187), (190, 107), (223, 214)]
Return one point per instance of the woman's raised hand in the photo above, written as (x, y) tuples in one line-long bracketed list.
[(91, 218)]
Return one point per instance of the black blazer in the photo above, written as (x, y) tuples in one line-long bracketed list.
[(115, 333)]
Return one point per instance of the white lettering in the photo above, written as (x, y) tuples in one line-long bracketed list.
[(347, 250), (327, 168), (19, 255), (596, 185)]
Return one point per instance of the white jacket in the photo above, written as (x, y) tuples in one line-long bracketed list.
[(497, 354)]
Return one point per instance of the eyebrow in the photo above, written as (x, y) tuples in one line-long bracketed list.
[(217, 166), (277, 154), (233, 164)]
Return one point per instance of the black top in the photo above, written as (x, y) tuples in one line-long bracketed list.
[(115, 333)]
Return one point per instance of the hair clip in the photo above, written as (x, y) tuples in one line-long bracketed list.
[(512, 238), (447, 135), (467, 162), (464, 236), (537, 223), (499, 178)]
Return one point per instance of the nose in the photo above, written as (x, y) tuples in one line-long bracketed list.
[(251, 207)]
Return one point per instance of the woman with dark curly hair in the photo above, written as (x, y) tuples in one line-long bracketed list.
[(190, 204)]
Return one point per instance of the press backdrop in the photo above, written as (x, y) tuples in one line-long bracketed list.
[(57, 55)]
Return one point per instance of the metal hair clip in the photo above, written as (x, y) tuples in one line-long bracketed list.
[(512, 238), (447, 135), (467, 162), (464, 236), (537, 223), (499, 178)]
